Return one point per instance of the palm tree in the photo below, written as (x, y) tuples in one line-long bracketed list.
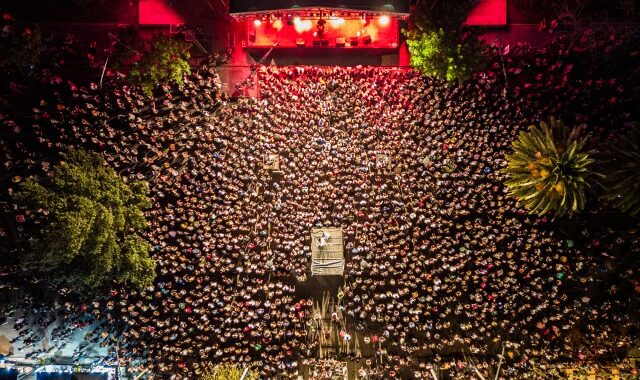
[(226, 371), (549, 169), (622, 180)]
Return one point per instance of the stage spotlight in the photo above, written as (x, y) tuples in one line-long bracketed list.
[(336, 22), (302, 26), (384, 20), (257, 22)]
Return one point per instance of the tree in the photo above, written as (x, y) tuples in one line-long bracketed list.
[(166, 60), (622, 163), (550, 169), (20, 48), (126, 45), (440, 44), (227, 371), (89, 223)]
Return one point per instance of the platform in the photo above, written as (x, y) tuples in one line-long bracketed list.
[(327, 252)]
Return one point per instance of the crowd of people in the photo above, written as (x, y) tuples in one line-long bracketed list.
[(440, 263)]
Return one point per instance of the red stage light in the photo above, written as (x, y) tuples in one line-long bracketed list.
[(384, 20), (277, 25), (302, 26), (257, 22)]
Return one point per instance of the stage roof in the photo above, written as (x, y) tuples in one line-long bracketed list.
[(252, 6)]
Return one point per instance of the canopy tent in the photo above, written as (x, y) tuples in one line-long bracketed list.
[(327, 252), (251, 6)]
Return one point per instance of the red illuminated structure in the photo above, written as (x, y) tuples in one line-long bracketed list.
[(354, 25)]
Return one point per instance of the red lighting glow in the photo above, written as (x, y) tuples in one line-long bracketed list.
[(277, 25), (289, 29), (488, 13), (158, 12), (384, 20)]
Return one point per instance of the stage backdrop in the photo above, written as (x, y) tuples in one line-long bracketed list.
[(371, 32)]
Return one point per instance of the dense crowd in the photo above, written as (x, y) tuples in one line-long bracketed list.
[(441, 263)]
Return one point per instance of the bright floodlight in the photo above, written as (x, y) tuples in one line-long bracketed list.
[(384, 20), (277, 24), (302, 26), (336, 22)]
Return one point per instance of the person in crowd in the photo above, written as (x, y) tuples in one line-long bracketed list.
[(441, 263)]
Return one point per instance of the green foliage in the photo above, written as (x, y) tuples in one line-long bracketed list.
[(622, 179), (227, 371), (127, 45), (549, 169), (443, 55), (429, 15), (440, 44), (166, 60), (91, 219)]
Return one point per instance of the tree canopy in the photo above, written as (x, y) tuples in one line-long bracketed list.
[(550, 169), (88, 220), (126, 46), (166, 60), (621, 165), (20, 47), (439, 42), (227, 371)]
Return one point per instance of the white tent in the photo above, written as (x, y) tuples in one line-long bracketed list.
[(327, 252)]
